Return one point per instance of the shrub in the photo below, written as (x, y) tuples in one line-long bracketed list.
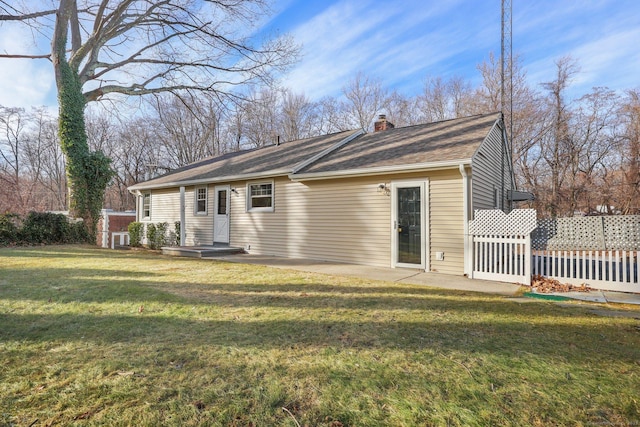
[(161, 235), (44, 227), (151, 236), (41, 228), (9, 228), (135, 234), (78, 233), (176, 226)]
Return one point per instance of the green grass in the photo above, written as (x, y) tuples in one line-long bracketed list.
[(232, 345)]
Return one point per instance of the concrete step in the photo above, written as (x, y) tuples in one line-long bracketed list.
[(200, 251)]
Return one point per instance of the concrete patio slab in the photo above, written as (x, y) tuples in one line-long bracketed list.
[(417, 277)]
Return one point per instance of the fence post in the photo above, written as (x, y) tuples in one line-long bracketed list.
[(528, 256)]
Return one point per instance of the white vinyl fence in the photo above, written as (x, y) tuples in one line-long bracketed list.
[(502, 245), (605, 270), (599, 252)]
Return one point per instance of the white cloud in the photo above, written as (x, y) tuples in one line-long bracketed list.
[(602, 36), (400, 45), (23, 82)]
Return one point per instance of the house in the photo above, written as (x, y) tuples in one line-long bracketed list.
[(397, 197)]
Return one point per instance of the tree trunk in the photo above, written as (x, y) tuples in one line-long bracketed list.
[(87, 173)]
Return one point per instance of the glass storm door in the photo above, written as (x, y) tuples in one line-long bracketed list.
[(409, 223)]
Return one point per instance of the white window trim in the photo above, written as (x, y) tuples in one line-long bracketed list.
[(206, 201), (142, 205), (273, 196)]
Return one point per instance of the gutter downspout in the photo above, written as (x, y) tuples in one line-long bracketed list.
[(183, 233), (468, 250), (137, 195)]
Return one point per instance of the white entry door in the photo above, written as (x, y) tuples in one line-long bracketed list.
[(221, 214), (409, 224)]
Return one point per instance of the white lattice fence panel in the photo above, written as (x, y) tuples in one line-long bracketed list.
[(619, 232), (502, 245), (546, 230), (586, 232), (622, 232), (518, 222)]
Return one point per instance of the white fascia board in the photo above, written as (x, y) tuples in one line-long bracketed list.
[(380, 170), (229, 178), (329, 150)]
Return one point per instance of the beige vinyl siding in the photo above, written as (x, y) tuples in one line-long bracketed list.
[(343, 220), (446, 219), (486, 171), (348, 220), (334, 220), (198, 228), (165, 206)]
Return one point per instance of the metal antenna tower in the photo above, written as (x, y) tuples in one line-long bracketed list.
[(506, 63)]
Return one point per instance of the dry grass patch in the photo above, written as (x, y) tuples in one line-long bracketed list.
[(97, 337)]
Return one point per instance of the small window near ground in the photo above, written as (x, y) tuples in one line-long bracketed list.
[(146, 205), (260, 196), (201, 201)]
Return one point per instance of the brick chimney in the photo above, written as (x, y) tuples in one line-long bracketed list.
[(382, 124)]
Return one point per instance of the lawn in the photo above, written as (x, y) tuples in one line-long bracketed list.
[(97, 337)]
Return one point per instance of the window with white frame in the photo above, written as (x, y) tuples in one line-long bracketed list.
[(260, 196), (200, 207), (146, 205)]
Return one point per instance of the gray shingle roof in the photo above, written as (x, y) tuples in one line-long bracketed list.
[(272, 160), (449, 140)]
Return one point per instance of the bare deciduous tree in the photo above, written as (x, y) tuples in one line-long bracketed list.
[(628, 190), (365, 99), (298, 116), (102, 47), (445, 99)]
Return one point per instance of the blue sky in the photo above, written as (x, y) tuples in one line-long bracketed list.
[(403, 42)]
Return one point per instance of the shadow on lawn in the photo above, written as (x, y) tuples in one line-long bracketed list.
[(58, 251), (69, 285), (587, 341)]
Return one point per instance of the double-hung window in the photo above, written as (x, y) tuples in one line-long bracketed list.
[(146, 205), (260, 196), (201, 201)]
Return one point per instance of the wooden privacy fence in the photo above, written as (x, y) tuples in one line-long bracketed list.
[(502, 245)]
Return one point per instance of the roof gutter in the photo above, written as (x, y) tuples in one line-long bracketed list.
[(448, 164), (241, 177)]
